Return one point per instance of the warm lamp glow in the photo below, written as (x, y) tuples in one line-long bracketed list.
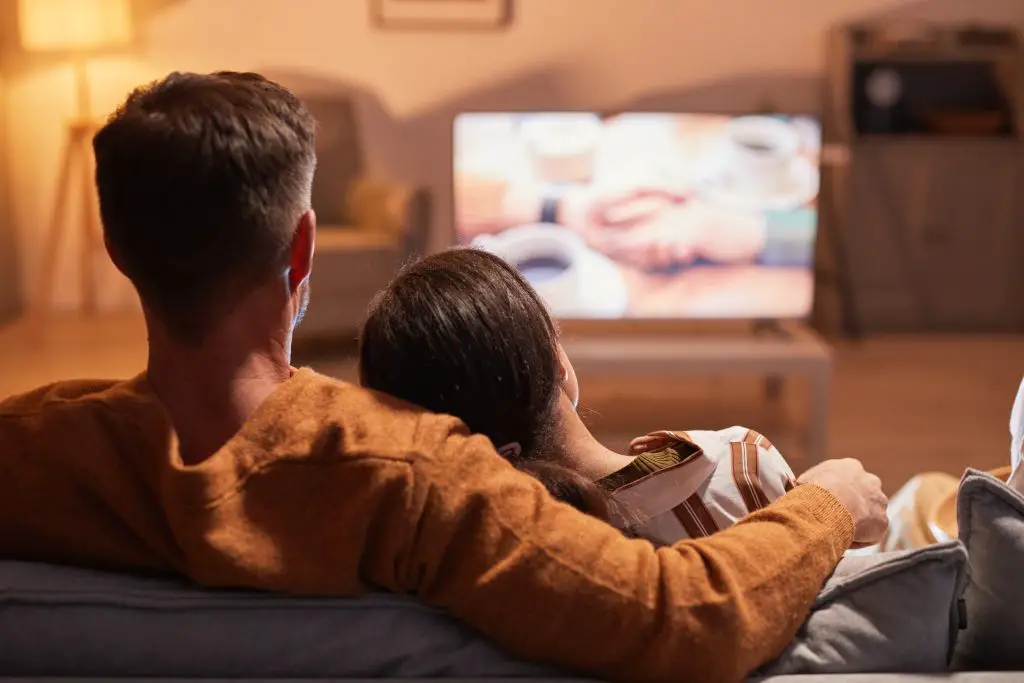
[(73, 25)]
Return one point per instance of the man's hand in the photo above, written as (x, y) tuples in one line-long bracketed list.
[(859, 491)]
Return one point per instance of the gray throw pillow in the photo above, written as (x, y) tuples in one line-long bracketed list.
[(990, 518), (885, 613)]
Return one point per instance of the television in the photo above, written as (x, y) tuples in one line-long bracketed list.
[(645, 215)]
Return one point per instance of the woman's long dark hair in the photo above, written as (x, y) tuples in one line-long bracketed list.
[(462, 333)]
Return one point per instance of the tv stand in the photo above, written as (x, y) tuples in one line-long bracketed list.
[(772, 329), (769, 328), (775, 350)]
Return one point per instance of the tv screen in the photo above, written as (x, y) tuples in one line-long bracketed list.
[(645, 215)]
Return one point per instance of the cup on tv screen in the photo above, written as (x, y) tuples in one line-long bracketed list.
[(548, 257), (762, 148), (562, 146)]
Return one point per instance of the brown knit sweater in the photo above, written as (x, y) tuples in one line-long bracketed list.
[(333, 490)]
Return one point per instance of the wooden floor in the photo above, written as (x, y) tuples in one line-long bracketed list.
[(900, 404)]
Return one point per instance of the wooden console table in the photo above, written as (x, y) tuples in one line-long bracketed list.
[(933, 234), (787, 350)]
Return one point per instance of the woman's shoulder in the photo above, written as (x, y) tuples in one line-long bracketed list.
[(678, 460), (710, 441), (668, 468)]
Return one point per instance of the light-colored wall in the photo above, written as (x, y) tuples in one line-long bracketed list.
[(10, 278), (558, 53)]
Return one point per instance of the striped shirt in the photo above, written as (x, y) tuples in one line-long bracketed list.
[(692, 484)]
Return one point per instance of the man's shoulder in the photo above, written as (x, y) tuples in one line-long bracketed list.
[(367, 423), (66, 395)]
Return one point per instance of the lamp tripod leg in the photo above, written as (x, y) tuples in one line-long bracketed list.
[(90, 235), (55, 235)]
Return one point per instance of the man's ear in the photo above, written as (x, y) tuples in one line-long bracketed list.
[(301, 256)]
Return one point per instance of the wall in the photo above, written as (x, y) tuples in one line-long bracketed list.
[(10, 277), (558, 53)]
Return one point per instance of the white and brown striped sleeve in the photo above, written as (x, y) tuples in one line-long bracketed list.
[(751, 474), (730, 474), (695, 517), (774, 475)]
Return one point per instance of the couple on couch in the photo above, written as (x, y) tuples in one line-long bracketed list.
[(223, 463)]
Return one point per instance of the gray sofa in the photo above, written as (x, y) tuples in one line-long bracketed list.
[(888, 617), (60, 622)]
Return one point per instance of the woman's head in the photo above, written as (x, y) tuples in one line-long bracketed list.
[(462, 333)]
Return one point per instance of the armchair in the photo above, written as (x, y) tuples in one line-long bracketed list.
[(366, 228)]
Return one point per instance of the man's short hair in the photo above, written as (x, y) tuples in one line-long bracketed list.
[(202, 179)]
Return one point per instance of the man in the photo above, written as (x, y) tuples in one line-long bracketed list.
[(224, 464)]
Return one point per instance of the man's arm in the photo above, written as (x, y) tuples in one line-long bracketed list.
[(550, 584)]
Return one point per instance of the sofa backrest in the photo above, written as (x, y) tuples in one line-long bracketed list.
[(61, 621)]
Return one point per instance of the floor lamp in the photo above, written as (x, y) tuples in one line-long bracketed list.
[(79, 29)]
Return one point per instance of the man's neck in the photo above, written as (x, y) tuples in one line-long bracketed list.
[(579, 450), (210, 392)]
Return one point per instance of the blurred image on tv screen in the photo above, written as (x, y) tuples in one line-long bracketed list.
[(645, 215)]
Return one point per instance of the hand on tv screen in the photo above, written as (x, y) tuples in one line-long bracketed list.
[(652, 228)]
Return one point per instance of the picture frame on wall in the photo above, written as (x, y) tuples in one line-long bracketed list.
[(441, 15)]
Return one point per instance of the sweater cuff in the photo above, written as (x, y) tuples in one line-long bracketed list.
[(825, 507)]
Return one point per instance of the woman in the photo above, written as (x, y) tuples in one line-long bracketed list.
[(463, 333)]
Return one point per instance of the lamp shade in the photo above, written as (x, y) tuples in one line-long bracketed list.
[(73, 25)]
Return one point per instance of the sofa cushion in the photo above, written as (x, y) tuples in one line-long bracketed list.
[(60, 621), (990, 521), (890, 612)]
